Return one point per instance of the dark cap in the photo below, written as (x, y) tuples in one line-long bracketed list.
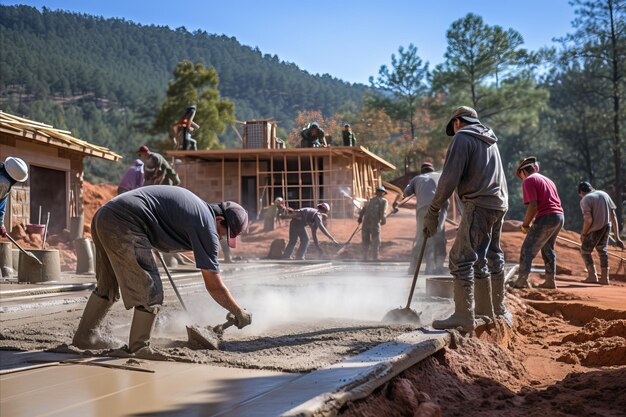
[(143, 148), (427, 167), (236, 221), (585, 187), (463, 112), (531, 161)]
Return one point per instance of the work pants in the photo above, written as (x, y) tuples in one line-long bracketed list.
[(189, 144), (598, 239), (435, 252), (370, 236), (476, 251), (297, 230), (124, 261), (541, 236)]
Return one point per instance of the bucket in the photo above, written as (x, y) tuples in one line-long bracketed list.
[(35, 229), (84, 256), (440, 287), (31, 271)]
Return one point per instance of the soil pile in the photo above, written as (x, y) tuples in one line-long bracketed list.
[(598, 343)]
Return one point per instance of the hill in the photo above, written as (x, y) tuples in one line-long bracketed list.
[(104, 79)]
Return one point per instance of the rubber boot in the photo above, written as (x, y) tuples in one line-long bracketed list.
[(140, 329), (497, 295), (549, 283), (482, 296), (521, 281), (604, 276), (86, 336), (592, 277), (463, 315)]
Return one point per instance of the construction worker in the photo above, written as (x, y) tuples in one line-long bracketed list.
[(546, 214), (133, 178), (598, 216), (474, 169), (372, 217), (348, 136), (312, 137), (302, 218), (423, 186), (181, 130), (127, 229), (157, 171), (12, 170)]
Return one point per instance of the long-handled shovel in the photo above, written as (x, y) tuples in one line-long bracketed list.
[(345, 245), (24, 251), (198, 337), (406, 314)]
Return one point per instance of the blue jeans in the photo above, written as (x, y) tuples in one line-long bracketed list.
[(476, 250), (541, 236), (598, 239), (297, 230)]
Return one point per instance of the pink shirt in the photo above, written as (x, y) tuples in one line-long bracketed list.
[(541, 189)]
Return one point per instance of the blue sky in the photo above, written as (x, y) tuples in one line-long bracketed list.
[(346, 39)]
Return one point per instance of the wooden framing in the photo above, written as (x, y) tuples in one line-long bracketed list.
[(304, 177)]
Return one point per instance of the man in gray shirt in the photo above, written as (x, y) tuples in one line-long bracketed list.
[(473, 167), (423, 186), (126, 230), (598, 215)]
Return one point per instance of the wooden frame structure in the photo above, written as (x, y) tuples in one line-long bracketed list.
[(304, 177)]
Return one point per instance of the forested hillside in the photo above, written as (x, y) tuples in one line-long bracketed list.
[(105, 79)]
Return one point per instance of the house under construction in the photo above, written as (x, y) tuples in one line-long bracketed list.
[(263, 170)]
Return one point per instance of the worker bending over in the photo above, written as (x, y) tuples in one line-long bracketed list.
[(302, 218), (12, 170), (157, 171), (127, 229)]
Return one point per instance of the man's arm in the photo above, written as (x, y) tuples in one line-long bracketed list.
[(410, 189), (383, 212), (3, 207), (320, 225), (531, 210), (615, 225), (218, 291), (587, 220), (456, 161)]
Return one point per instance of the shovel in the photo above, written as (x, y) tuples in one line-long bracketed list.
[(406, 314), (345, 245), (24, 251), (198, 337)]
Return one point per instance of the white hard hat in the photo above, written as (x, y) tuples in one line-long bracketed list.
[(278, 199), (323, 206), (16, 168)]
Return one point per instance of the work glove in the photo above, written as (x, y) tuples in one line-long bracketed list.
[(3, 231), (241, 318), (524, 229), (431, 221), (360, 220)]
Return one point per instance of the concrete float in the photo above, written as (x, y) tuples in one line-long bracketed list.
[(30, 271)]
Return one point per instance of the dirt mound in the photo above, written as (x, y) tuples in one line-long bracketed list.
[(598, 343), (94, 197)]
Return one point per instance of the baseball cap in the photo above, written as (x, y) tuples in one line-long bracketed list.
[(143, 148), (463, 112), (236, 221), (381, 188)]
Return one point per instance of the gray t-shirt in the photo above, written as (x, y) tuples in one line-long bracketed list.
[(599, 204), (175, 220)]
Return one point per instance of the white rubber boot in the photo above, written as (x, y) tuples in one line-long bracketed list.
[(140, 329), (482, 297), (463, 315), (592, 277), (86, 336), (497, 295), (521, 281), (549, 283)]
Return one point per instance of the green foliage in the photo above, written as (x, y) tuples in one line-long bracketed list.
[(119, 71), (196, 85)]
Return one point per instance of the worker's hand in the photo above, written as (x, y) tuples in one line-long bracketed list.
[(360, 220), (619, 243), (3, 231), (336, 243), (431, 222), (524, 229), (241, 318)]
